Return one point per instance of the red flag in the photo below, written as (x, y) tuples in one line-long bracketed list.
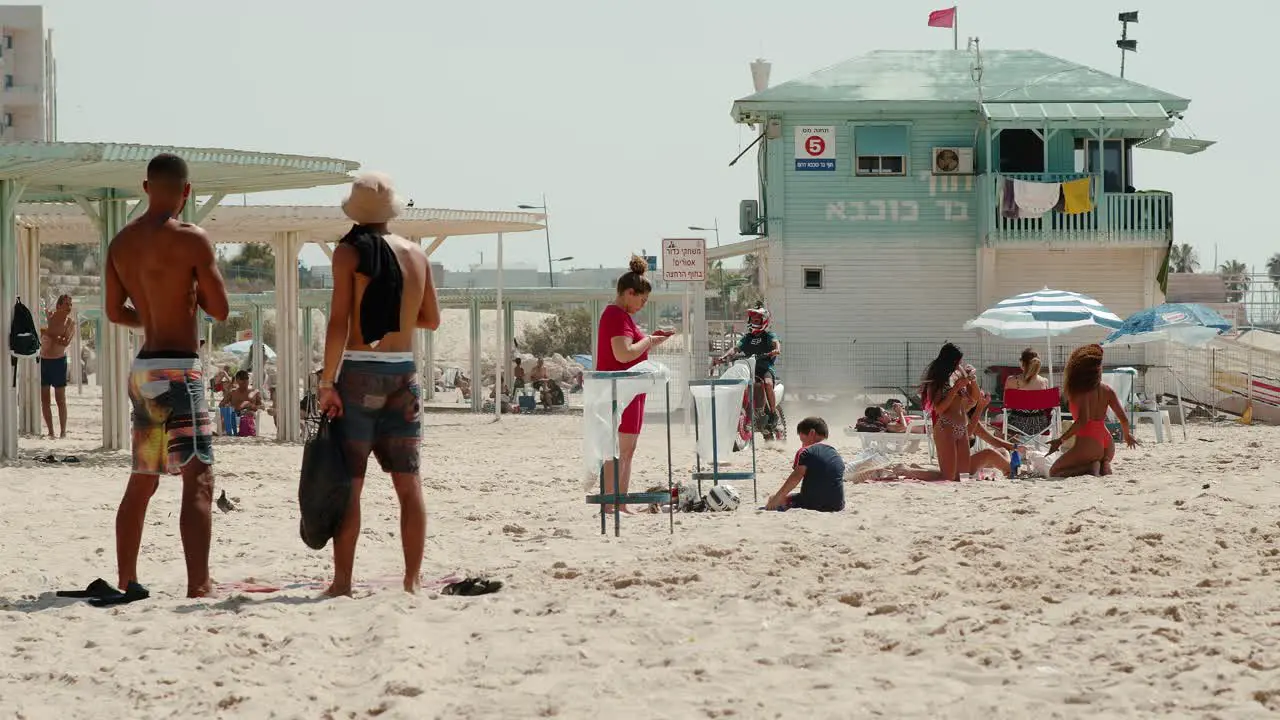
[(943, 18)]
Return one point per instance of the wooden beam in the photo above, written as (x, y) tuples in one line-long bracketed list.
[(209, 206), (89, 210), (137, 209), (435, 244)]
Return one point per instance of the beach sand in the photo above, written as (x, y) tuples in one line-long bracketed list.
[(1149, 593)]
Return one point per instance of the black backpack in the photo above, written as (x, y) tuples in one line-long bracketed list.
[(24, 337)]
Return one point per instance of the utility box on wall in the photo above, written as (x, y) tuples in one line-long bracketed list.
[(749, 221)]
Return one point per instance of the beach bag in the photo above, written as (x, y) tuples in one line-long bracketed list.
[(24, 339), (248, 425), (324, 488)]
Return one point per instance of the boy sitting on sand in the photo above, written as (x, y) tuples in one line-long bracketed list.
[(818, 470)]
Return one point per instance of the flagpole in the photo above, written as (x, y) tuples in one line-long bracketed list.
[(955, 28)]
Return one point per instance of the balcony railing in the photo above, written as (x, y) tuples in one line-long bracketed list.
[(1134, 219)]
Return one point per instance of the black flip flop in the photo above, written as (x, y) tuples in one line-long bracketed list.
[(71, 459), (133, 593), (47, 459), (472, 586), (97, 589)]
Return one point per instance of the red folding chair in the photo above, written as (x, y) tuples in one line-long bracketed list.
[(1034, 401)]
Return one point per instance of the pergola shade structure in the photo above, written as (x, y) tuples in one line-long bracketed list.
[(101, 178), (286, 229)]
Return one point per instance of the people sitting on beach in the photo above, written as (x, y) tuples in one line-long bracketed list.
[(998, 452), (245, 401), (1029, 422), (818, 470), (1089, 399), (875, 420), (462, 384)]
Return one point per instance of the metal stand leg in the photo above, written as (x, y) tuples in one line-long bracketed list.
[(671, 506)]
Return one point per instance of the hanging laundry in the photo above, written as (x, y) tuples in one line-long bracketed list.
[(1008, 208), (1034, 199), (1075, 197)]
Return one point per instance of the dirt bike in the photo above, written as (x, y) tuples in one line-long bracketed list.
[(748, 424)]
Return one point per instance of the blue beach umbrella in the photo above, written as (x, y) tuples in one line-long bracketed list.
[(1044, 313), (583, 360), (244, 347), (1182, 323)]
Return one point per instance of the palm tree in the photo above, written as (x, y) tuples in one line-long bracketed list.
[(1273, 270), (1235, 276), (1184, 259)]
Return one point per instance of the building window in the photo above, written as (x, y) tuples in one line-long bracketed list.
[(881, 149), (8, 81), (813, 278), (8, 42)]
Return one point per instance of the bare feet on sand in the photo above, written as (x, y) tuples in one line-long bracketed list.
[(200, 591), (338, 590)]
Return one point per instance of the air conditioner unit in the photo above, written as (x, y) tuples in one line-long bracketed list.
[(952, 161)]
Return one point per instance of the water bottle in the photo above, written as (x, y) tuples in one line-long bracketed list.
[(1015, 461)]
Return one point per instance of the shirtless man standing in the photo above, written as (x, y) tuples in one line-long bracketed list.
[(55, 337), (382, 292), (166, 268)]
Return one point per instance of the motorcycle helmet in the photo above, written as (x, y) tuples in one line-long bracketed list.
[(757, 319)]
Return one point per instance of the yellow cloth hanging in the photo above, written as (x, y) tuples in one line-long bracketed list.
[(1075, 197)]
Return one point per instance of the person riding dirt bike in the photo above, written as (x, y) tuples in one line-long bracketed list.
[(759, 342)]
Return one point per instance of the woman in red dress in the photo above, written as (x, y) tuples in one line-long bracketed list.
[(621, 346)]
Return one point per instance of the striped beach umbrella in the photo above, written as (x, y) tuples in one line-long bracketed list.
[(1044, 313)]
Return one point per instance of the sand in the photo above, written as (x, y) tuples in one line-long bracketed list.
[(1150, 593)]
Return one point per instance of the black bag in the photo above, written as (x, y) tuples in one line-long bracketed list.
[(324, 488), (24, 338)]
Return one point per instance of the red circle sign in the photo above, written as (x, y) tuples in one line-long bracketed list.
[(815, 145)]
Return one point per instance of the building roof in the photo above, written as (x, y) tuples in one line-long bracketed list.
[(56, 171), (946, 76), (65, 224)]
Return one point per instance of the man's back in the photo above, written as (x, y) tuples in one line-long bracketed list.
[(414, 267), (157, 265)]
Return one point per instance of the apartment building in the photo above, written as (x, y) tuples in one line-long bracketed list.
[(28, 75)]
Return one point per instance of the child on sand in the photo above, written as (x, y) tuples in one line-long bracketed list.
[(818, 470)]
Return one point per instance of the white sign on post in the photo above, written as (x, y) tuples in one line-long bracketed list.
[(815, 147), (684, 260)]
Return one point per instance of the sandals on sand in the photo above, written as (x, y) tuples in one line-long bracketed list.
[(472, 586), (100, 593)]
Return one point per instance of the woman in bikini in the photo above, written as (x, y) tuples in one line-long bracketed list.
[(1089, 399), (1029, 422), (945, 385)]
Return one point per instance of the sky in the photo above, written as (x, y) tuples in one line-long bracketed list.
[(618, 111)]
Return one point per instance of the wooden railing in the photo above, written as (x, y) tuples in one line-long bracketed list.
[(1136, 219)]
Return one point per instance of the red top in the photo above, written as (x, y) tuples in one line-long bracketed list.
[(615, 322)]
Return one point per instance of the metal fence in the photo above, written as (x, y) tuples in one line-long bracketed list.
[(852, 368)]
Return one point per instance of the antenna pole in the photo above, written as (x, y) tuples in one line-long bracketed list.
[(1124, 35)]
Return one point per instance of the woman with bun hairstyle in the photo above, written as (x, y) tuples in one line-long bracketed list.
[(621, 346), (1029, 422)]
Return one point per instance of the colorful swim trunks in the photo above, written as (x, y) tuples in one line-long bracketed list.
[(381, 411), (171, 423)]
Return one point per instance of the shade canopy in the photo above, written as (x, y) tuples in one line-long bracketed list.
[(1123, 115), (66, 224), (244, 347), (1187, 324), (54, 171)]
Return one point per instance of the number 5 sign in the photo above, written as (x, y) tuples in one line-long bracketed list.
[(815, 147)]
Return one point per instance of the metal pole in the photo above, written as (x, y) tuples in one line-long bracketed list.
[(617, 466), (671, 501), (546, 226), (501, 371)]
